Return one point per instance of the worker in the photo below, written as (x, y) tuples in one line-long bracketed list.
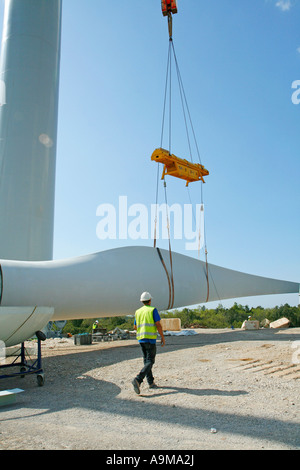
[(95, 325), (147, 324)]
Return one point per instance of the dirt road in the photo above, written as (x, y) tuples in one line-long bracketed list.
[(219, 389)]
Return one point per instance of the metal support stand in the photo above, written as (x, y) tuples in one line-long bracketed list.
[(26, 364)]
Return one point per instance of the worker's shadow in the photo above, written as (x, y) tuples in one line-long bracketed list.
[(169, 390)]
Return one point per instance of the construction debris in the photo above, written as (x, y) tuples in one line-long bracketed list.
[(82, 339), (114, 335), (250, 325), (8, 397), (171, 324), (265, 323), (281, 323), (180, 333)]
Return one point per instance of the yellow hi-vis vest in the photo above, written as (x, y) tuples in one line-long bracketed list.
[(145, 326)]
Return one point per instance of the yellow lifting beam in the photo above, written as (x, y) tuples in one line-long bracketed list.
[(179, 167)]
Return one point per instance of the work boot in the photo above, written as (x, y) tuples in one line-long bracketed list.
[(153, 385), (136, 386)]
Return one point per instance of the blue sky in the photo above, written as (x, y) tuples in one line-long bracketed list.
[(238, 60)]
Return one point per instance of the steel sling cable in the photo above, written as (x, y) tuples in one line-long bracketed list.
[(167, 274), (169, 80), (170, 281), (185, 105), (184, 101), (161, 140), (170, 248)]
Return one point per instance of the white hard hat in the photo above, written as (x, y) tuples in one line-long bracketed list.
[(145, 297)]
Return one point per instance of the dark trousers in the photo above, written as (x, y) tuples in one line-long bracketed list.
[(149, 353)]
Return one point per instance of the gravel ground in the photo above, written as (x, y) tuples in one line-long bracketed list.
[(219, 389)]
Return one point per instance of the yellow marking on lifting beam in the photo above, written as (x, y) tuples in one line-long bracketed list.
[(179, 167)]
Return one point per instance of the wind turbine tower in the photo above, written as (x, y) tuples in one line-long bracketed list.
[(29, 84)]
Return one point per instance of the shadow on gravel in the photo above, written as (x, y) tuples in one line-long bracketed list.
[(106, 400), (61, 393)]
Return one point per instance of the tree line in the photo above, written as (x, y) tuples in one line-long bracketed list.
[(199, 317)]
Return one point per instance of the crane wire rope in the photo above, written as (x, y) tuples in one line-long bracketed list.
[(170, 277), (206, 270), (185, 108), (170, 248), (186, 112)]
